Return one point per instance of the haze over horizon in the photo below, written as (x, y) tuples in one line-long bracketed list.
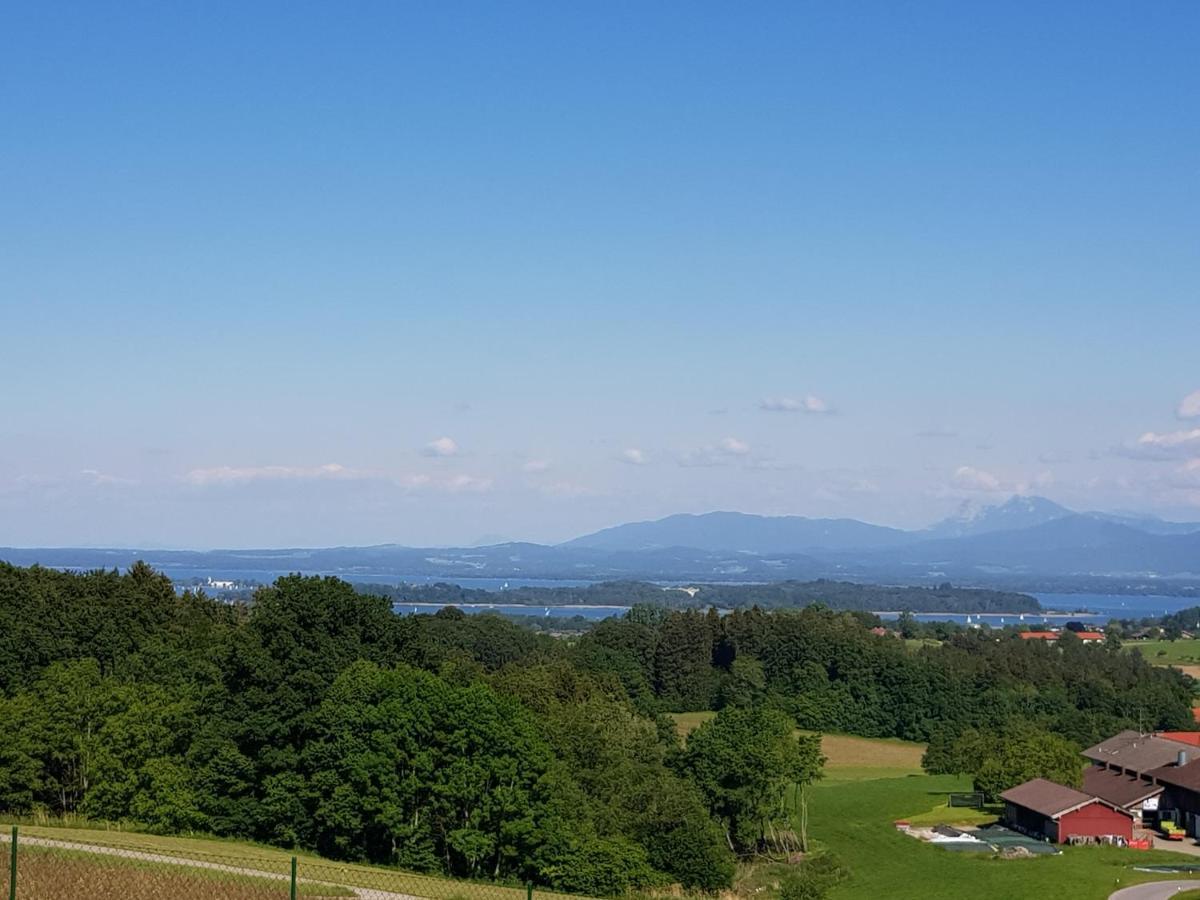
[(422, 275)]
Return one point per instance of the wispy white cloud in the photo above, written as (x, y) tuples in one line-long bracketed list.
[(1164, 445), (975, 480), (243, 474), (536, 466), (98, 478), (468, 484), (412, 481), (809, 403), (1189, 406), (725, 452), (634, 456), (969, 478), (442, 447)]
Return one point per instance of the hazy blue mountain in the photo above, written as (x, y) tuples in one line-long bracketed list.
[(1147, 524), (1023, 538), (1016, 513), (1072, 544), (732, 531)]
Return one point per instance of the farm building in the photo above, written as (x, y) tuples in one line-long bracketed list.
[(1137, 754), (1088, 637), (1060, 814), (1180, 800), (1132, 793)]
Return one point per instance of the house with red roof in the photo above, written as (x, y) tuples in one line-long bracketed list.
[(1088, 637)]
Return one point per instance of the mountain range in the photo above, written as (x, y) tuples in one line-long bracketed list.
[(1029, 543)]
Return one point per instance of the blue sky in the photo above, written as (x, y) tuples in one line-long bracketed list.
[(280, 274)]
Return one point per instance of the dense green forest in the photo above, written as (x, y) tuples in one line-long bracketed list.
[(843, 595), (315, 717)]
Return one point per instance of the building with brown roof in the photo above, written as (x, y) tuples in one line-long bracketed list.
[(1180, 800), (1060, 814), (1134, 753), (1132, 793)]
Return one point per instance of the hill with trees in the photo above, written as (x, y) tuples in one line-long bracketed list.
[(313, 717)]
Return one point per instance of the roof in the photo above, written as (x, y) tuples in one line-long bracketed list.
[(1187, 776), (1039, 635), (1184, 737), (1049, 799), (1090, 635), (1135, 751), (1116, 787)]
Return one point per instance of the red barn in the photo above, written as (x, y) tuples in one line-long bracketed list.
[(1059, 813)]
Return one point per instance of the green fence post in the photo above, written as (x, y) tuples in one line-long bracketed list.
[(12, 867), (529, 890), (293, 878)]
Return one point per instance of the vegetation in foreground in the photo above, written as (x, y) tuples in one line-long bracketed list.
[(269, 861), (57, 873), (468, 746)]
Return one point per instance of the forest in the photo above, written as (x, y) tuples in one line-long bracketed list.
[(314, 717)]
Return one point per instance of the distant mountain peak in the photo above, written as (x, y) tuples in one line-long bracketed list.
[(1019, 511), (741, 532)]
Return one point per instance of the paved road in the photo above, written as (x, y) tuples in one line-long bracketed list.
[(1154, 890), (165, 858)]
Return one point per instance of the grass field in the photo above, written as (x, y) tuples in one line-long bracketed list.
[(248, 856), (854, 820), (1169, 652), (848, 758)]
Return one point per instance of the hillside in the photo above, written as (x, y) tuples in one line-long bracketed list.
[(732, 531), (1027, 538)]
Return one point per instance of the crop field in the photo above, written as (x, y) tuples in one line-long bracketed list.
[(849, 758)]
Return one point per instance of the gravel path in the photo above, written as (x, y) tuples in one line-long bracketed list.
[(1154, 890), (167, 859)]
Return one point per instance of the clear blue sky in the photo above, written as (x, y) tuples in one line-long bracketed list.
[(278, 274)]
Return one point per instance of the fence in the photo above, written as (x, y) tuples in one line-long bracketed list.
[(60, 865)]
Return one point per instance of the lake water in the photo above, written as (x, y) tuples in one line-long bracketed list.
[(1117, 606), (595, 613), (186, 574), (1101, 606)]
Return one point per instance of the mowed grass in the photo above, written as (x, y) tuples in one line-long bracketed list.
[(260, 858), (1169, 652), (854, 819), (848, 758), (871, 783)]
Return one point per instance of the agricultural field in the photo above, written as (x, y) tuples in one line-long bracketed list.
[(1174, 653), (849, 758)]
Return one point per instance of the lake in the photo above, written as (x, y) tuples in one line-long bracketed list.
[(1101, 607)]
